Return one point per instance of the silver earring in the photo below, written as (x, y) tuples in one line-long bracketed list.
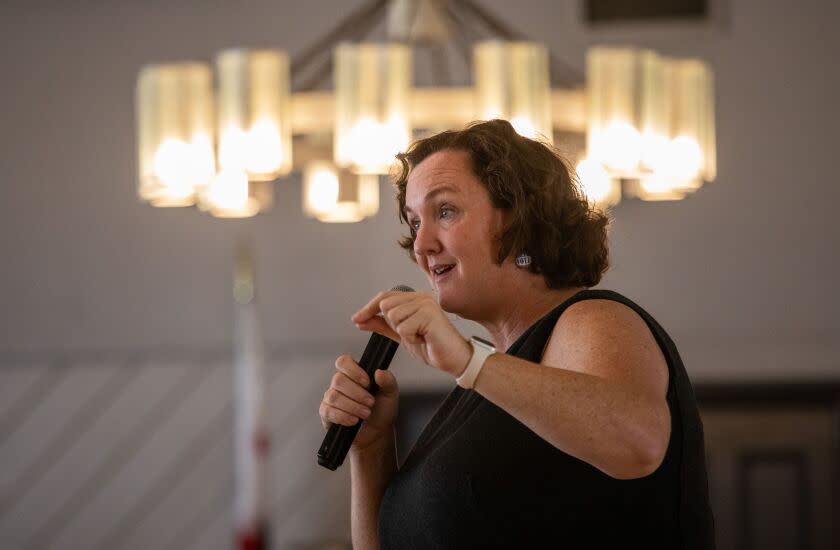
[(523, 260)]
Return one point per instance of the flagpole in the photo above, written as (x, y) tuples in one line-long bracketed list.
[(251, 436)]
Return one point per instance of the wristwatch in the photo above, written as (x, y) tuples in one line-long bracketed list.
[(481, 350)]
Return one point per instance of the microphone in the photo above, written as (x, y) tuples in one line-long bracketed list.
[(377, 355)]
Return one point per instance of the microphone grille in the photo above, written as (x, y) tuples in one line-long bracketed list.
[(403, 288)]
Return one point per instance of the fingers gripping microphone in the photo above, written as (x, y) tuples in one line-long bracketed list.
[(377, 355)]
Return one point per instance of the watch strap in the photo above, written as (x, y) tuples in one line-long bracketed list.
[(480, 352)]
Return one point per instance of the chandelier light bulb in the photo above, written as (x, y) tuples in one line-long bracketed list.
[(619, 146), (338, 196), (181, 166), (524, 126), (264, 147), (597, 184), (322, 191), (169, 166), (233, 147), (373, 145), (685, 159), (229, 190)]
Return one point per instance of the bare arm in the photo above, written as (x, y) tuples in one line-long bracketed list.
[(599, 393), (371, 469), (373, 456)]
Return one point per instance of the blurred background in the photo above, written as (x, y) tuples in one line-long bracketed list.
[(117, 325)]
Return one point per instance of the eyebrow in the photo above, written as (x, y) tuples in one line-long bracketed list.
[(433, 193)]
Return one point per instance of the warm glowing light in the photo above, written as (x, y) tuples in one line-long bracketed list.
[(339, 196), (656, 183), (233, 146), (658, 186), (258, 150), (175, 132), (342, 212), (596, 183), (264, 147), (512, 83), (618, 146), (685, 158), (181, 167), (372, 90), (253, 112), (229, 190), (524, 127), (321, 190), (374, 145), (654, 151)]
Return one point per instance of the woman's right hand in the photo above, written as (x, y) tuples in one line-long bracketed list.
[(348, 399)]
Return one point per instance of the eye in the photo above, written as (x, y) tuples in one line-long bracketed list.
[(446, 211), (415, 224)]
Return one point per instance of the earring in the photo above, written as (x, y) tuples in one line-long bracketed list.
[(523, 260)]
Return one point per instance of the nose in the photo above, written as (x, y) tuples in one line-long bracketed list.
[(426, 241)]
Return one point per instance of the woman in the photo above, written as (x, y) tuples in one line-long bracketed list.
[(579, 430)]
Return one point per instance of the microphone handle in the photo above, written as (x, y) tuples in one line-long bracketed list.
[(377, 355)]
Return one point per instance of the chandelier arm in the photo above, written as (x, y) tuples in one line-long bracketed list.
[(349, 24), (462, 40), (353, 33), (316, 79), (561, 72), (491, 21)]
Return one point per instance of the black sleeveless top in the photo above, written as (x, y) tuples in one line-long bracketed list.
[(478, 478)]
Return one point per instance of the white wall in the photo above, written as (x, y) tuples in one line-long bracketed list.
[(742, 274)]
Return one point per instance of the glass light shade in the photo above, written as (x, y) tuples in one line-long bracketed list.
[(231, 195), (372, 86), (597, 184), (657, 186), (612, 135), (692, 121), (687, 157), (652, 117), (175, 132), (512, 83), (334, 195), (254, 117), (628, 116)]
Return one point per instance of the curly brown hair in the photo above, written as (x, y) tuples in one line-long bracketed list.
[(551, 218)]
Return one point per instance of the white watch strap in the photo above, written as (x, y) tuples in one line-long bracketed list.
[(479, 357)]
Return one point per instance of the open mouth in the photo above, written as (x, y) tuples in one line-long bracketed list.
[(440, 270)]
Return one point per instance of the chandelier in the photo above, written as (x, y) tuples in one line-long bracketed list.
[(220, 137)]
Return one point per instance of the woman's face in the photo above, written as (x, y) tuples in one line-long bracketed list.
[(456, 230)]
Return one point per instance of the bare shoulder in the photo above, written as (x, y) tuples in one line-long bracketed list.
[(608, 339)]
